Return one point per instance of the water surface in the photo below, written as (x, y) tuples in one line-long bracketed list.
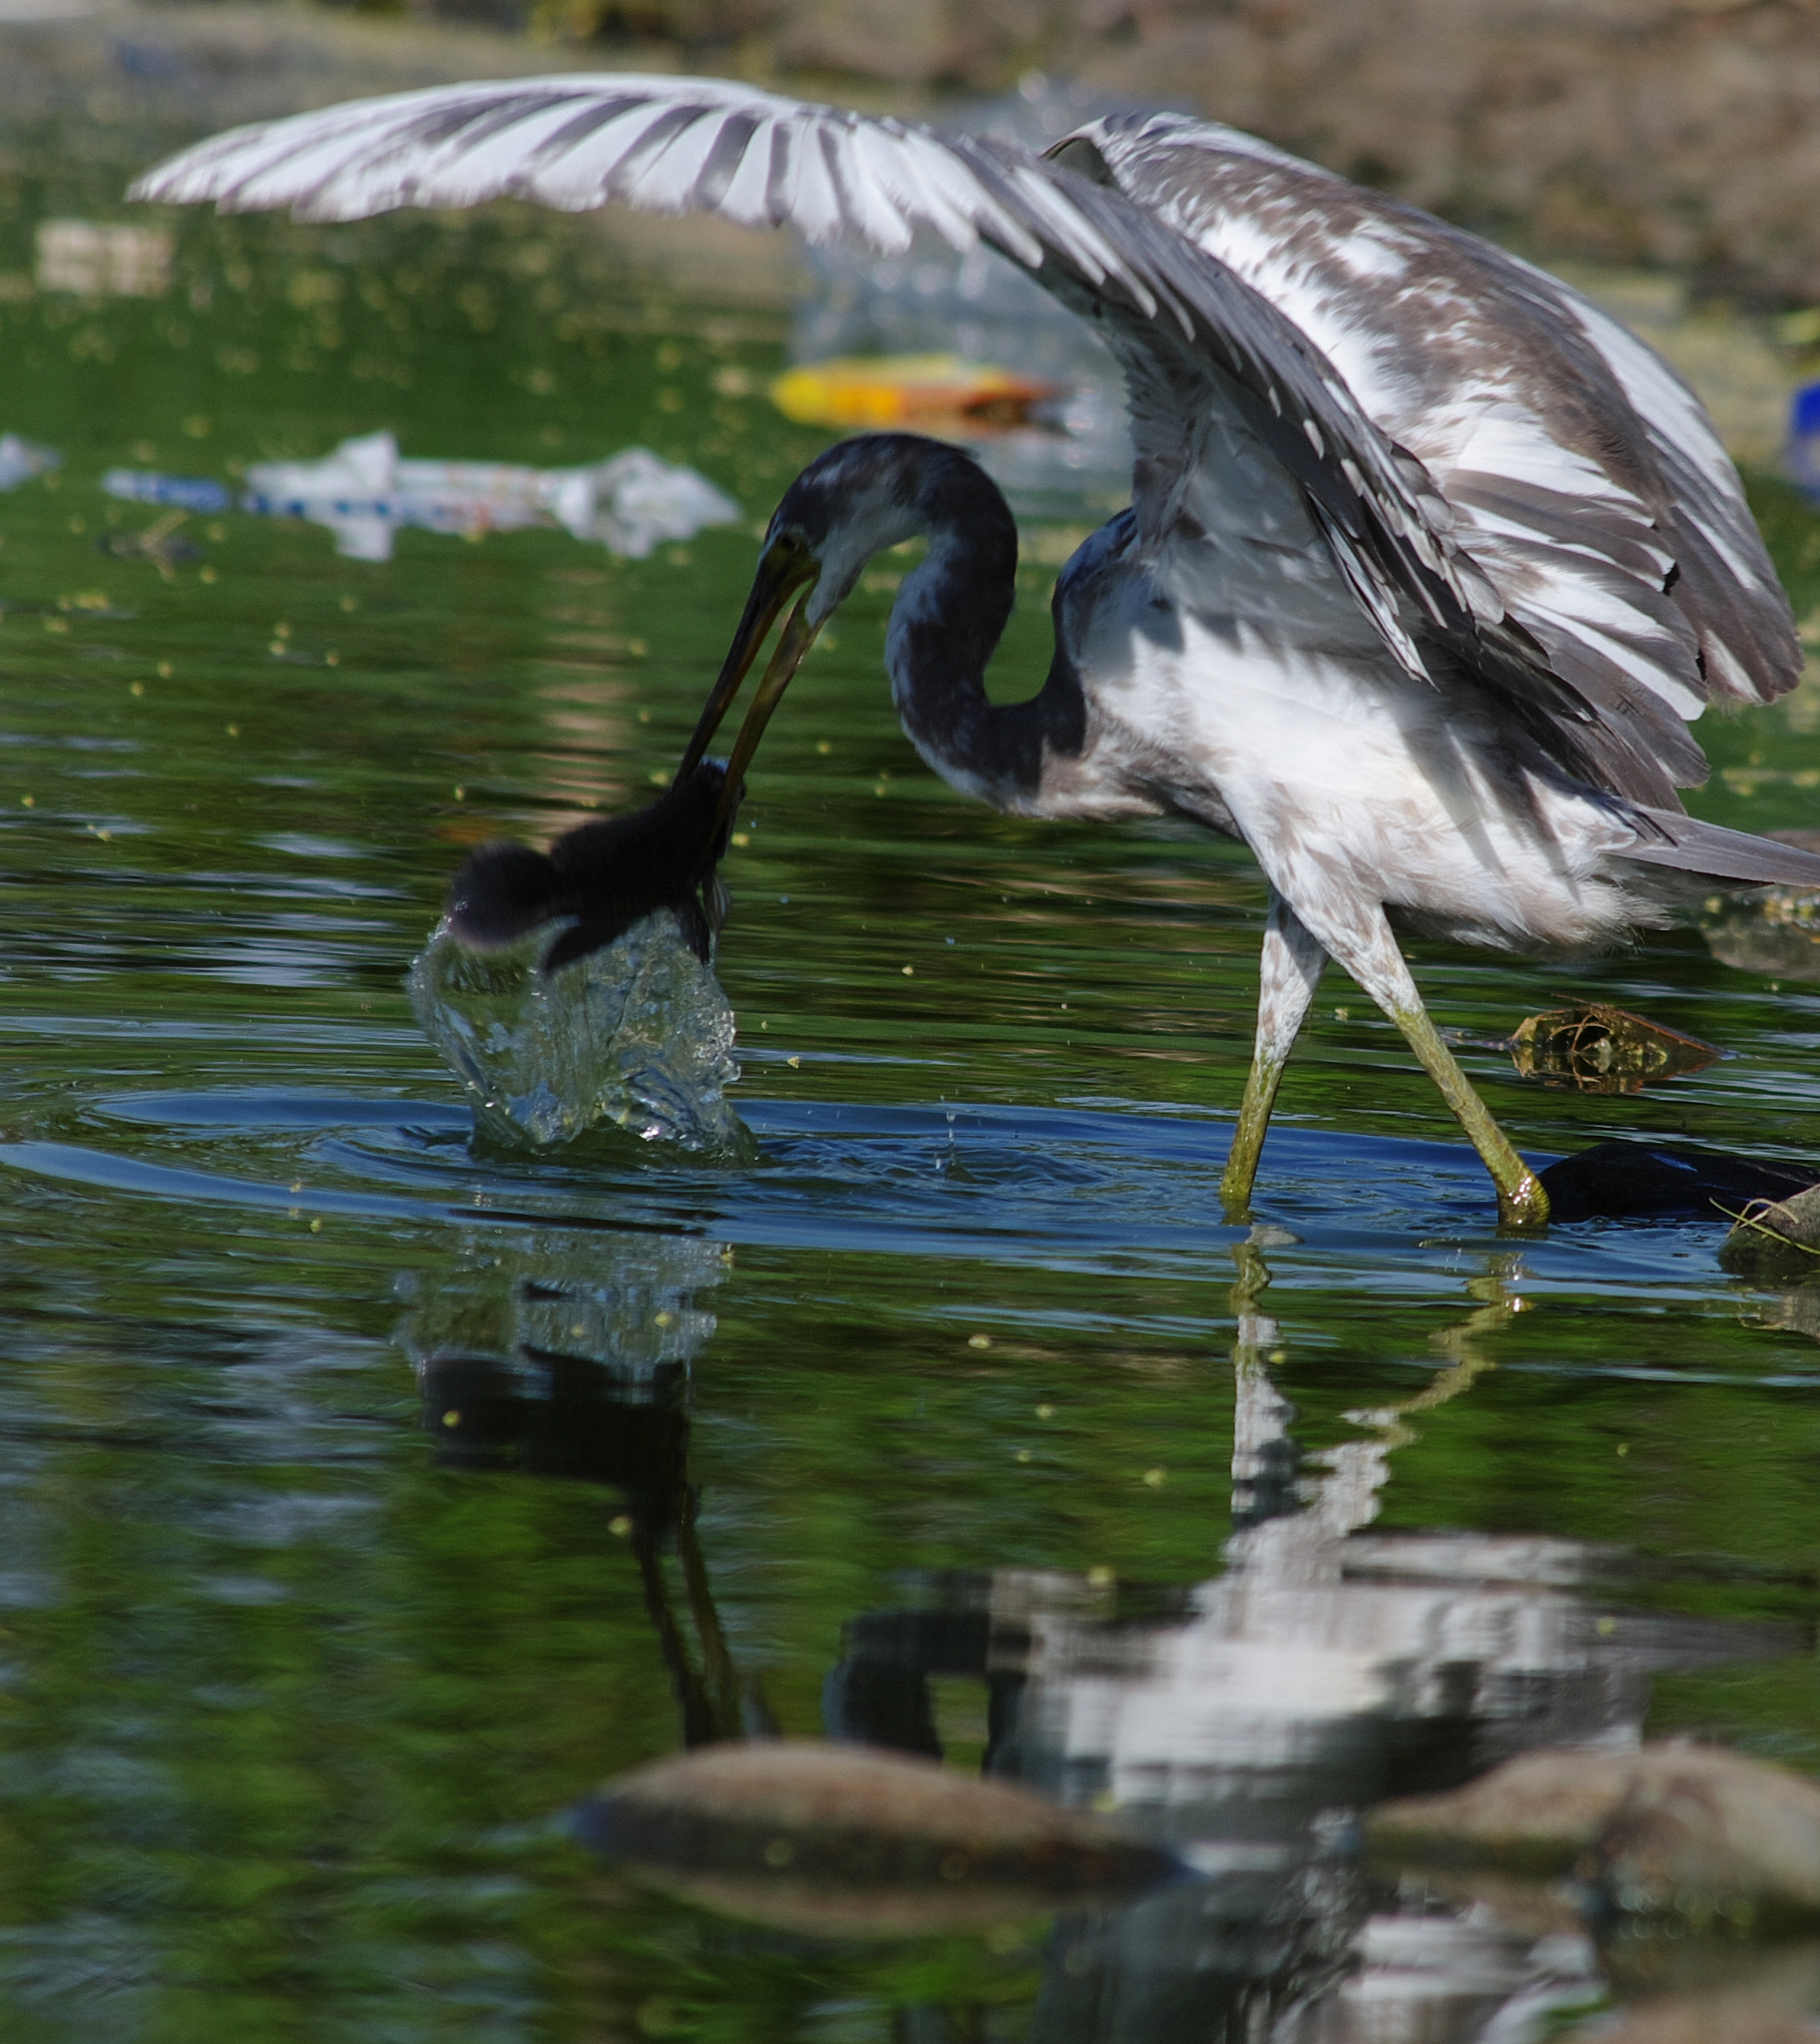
[(343, 1467)]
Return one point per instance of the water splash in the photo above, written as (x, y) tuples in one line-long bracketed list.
[(636, 1036)]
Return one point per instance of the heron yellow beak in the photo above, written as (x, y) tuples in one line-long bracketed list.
[(784, 567)]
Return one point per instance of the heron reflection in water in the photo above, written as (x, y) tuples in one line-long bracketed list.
[(1428, 563), (1323, 1663)]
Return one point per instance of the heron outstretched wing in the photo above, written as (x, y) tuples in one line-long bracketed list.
[(1583, 475), (1575, 536), (671, 145)]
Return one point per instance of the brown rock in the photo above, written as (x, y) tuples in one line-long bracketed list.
[(1682, 132), (1776, 1239), (905, 42), (1625, 130), (1704, 1836), (1691, 1832), (850, 1841), (1700, 2019), (1536, 1814)]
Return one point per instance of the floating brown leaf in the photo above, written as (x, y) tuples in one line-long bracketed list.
[(851, 1842), (1602, 1049)]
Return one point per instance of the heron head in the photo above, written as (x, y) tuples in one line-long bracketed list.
[(850, 503)]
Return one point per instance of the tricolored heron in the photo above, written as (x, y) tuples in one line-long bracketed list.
[(1428, 563)]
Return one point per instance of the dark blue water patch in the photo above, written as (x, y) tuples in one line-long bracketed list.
[(304, 1109), (1094, 1190), (74, 1164)]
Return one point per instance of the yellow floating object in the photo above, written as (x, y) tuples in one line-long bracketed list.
[(904, 390)]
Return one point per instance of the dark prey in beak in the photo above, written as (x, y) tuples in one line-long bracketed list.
[(606, 876)]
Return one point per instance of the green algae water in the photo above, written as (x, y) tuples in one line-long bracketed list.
[(368, 1498)]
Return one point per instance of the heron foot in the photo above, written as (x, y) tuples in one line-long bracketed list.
[(1235, 1192), (1522, 1202), (1522, 1207), (1289, 970)]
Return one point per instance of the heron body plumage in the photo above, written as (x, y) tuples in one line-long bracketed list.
[(1284, 723), (1428, 563)]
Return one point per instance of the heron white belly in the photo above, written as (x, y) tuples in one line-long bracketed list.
[(1353, 783)]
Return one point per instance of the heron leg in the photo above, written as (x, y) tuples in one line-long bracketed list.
[(1369, 953), (1289, 970)]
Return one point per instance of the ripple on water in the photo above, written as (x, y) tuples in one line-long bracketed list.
[(1126, 1193)]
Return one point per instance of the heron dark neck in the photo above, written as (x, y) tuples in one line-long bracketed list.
[(945, 626)]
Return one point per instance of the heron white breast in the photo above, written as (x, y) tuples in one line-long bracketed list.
[(1348, 780)]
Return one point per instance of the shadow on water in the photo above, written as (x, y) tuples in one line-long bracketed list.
[(1241, 1721)]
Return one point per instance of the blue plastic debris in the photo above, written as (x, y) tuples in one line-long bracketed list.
[(183, 492), (1801, 457)]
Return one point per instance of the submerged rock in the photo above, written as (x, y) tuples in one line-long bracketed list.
[(1632, 1179), (851, 1842), (1774, 931), (1534, 1815), (1699, 2019), (636, 1036), (1703, 1836), (1776, 1238)]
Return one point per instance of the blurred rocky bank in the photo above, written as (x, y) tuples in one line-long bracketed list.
[(1676, 140)]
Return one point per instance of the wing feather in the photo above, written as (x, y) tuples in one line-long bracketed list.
[(1177, 316), (1503, 477), (1582, 477)]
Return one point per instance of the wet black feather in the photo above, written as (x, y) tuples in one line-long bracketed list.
[(602, 877)]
